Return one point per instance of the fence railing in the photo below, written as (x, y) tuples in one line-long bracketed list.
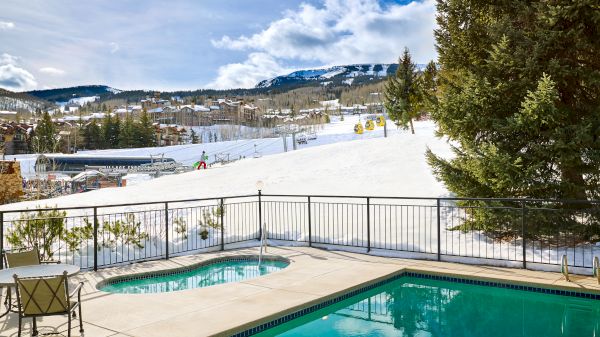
[(511, 232)]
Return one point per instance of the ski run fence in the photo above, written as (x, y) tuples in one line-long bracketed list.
[(524, 233)]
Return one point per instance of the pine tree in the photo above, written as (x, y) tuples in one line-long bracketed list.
[(45, 139), (194, 137), (144, 132), (107, 129), (114, 133), (92, 136), (402, 94), (539, 46), (127, 133), (428, 86), (518, 92)]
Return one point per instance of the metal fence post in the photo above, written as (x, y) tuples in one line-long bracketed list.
[(523, 233), (259, 215), (222, 225), (368, 224), (309, 225), (439, 232), (166, 230), (95, 238), (2, 239)]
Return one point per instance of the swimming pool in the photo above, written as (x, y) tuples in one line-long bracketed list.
[(417, 306), (207, 274)]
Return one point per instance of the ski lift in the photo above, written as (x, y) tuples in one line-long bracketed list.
[(358, 128), (380, 121), (369, 125)]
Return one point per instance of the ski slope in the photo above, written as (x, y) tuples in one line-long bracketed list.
[(338, 162), (336, 131)]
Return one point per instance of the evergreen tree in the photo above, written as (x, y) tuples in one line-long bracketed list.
[(106, 130), (543, 67), (114, 133), (45, 139), (92, 136), (402, 94), (127, 133), (519, 94), (144, 132), (194, 137), (428, 86)]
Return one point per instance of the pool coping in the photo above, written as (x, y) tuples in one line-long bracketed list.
[(328, 300), (187, 268), (313, 276)]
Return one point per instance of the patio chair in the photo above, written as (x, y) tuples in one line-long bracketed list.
[(21, 258), (47, 296), (24, 258)]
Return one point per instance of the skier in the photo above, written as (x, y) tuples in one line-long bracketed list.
[(203, 160)]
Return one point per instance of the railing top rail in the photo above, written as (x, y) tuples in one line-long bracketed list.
[(127, 204), (516, 200), (431, 198)]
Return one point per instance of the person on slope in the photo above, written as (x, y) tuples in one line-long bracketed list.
[(203, 160)]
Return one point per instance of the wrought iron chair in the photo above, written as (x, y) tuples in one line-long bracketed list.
[(21, 258), (47, 296)]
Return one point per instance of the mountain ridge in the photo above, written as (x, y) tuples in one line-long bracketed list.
[(339, 75)]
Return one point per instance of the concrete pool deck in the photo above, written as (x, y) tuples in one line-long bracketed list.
[(313, 276)]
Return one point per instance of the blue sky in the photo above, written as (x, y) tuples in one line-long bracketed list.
[(180, 44)]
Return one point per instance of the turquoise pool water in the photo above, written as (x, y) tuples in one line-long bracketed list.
[(415, 307), (203, 276)]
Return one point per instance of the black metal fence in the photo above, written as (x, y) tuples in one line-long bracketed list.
[(512, 232)]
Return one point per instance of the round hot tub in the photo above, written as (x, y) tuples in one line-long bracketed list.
[(204, 274)]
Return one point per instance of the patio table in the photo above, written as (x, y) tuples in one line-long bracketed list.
[(38, 270)]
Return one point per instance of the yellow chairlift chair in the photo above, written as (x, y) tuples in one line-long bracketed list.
[(358, 128), (369, 125), (380, 121)]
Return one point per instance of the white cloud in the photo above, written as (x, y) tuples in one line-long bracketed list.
[(8, 59), (52, 71), (5, 25), (257, 67), (114, 47), (13, 77), (345, 32)]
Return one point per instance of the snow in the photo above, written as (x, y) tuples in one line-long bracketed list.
[(339, 162), (321, 166), (383, 71), (136, 178), (348, 81), (79, 101), (113, 90), (333, 72)]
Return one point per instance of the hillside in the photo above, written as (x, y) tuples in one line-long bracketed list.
[(334, 76), (20, 101), (66, 94)]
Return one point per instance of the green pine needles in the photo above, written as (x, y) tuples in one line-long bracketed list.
[(518, 94)]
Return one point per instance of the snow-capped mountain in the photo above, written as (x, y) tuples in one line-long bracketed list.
[(337, 75)]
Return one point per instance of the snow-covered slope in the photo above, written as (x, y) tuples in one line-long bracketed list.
[(66, 94), (393, 166), (337, 75)]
